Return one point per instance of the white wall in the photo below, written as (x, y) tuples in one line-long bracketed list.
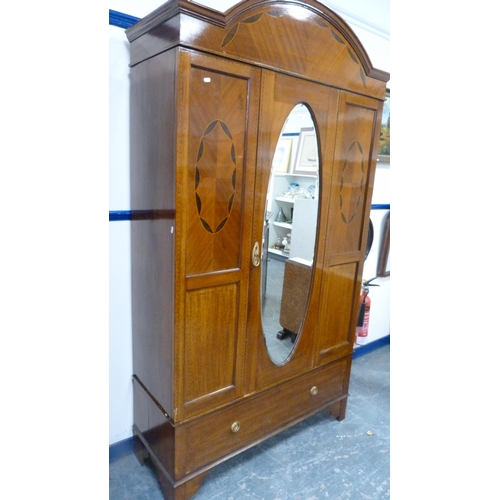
[(380, 295), (120, 328), (370, 21)]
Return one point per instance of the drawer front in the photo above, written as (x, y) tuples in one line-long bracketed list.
[(221, 433)]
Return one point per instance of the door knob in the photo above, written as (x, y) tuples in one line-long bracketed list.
[(256, 254)]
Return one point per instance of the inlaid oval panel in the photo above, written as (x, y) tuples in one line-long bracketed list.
[(215, 176), (352, 182)]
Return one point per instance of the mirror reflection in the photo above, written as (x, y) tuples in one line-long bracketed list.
[(289, 234)]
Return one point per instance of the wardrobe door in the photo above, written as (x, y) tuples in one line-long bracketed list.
[(348, 220), (280, 95), (217, 125)]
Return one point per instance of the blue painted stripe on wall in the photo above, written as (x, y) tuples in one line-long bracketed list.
[(121, 20), (117, 215), (120, 215), (141, 215)]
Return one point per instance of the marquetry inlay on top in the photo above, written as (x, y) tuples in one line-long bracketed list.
[(301, 51), (299, 37)]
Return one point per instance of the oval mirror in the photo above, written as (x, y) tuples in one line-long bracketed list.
[(290, 234)]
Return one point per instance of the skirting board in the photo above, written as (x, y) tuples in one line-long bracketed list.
[(365, 349)]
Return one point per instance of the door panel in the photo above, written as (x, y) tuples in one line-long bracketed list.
[(353, 173), (211, 335), (280, 94), (339, 285), (216, 169), (348, 220)]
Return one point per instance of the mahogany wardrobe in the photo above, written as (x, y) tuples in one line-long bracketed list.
[(211, 93)]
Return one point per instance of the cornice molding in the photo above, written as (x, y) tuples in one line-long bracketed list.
[(126, 21)]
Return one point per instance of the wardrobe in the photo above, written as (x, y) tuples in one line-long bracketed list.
[(210, 94)]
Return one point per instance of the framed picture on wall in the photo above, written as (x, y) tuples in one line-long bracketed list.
[(384, 262), (384, 147), (281, 158), (306, 161)]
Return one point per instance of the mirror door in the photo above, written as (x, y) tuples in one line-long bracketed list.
[(282, 97)]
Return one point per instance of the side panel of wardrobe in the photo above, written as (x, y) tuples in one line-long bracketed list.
[(152, 185)]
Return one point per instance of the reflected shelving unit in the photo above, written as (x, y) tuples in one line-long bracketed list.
[(301, 214)]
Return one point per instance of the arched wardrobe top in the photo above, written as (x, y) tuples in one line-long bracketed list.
[(301, 38)]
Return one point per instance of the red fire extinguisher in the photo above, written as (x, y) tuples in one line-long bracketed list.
[(364, 313)]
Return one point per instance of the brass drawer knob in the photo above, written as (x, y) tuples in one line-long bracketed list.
[(313, 391), (235, 427)]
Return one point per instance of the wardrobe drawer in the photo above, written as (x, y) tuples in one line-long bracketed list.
[(257, 417)]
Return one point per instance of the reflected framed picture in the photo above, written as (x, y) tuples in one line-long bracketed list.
[(281, 158), (384, 262), (306, 161), (384, 146)]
